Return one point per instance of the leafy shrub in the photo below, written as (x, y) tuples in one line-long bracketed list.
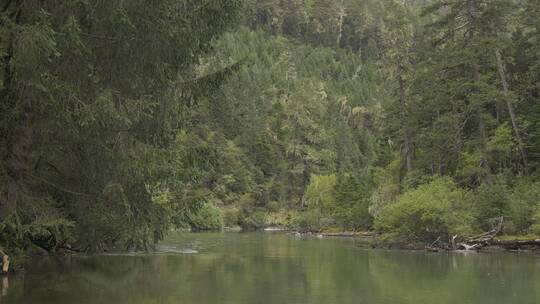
[(310, 220), (536, 220), (387, 190), (523, 202), (273, 206), (351, 209), (332, 201), (490, 202), (431, 210), (252, 221), (207, 217), (320, 201), (230, 217), (320, 192), (251, 216)]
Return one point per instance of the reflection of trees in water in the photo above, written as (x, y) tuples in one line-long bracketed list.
[(453, 278), (255, 269)]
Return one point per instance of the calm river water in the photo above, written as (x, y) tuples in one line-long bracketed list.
[(237, 268)]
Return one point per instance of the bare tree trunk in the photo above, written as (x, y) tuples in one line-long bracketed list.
[(481, 126), (471, 11), (5, 261), (481, 123), (502, 74), (341, 16), (402, 102)]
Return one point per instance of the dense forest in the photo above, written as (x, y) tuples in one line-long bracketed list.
[(122, 120)]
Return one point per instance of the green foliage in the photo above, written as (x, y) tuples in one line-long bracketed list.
[(310, 220), (332, 201), (252, 220), (230, 217), (251, 217), (536, 220), (490, 202), (93, 95), (320, 201), (427, 212), (320, 192), (352, 202), (523, 201), (207, 217), (117, 126), (297, 105), (387, 186)]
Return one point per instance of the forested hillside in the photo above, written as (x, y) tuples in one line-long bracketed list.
[(121, 120), (415, 118)]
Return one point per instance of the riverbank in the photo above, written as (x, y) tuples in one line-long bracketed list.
[(377, 241), (492, 240)]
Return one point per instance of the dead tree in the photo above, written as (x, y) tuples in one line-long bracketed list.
[(5, 261)]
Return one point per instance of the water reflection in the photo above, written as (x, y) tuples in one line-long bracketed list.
[(4, 286), (269, 268)]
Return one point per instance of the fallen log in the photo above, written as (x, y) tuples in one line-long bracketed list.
[(346, 234), (503, 244), (432, 247), (487, 236), (466, 247), (486, 239)]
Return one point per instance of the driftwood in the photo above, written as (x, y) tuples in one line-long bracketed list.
[(433, 247), (346, 234), (487, 236), (5, 261), (331, 234), (482, 240), (463, 246)]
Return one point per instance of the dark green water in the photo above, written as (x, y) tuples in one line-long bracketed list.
[(276, 268)]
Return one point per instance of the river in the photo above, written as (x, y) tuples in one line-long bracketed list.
[(258, 268)]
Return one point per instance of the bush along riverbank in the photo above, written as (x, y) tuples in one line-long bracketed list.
[(436, 215), (292, 223)]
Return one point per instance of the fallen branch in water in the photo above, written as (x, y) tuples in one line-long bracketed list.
[(463, 246), (483, 240)]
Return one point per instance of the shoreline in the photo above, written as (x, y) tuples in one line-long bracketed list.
[(504, 244)]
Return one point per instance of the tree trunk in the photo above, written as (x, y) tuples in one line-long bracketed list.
[(341, 16), (502, 74), (481, 126), (471, 10), (5, 261), (481, 123), (407, 144)]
